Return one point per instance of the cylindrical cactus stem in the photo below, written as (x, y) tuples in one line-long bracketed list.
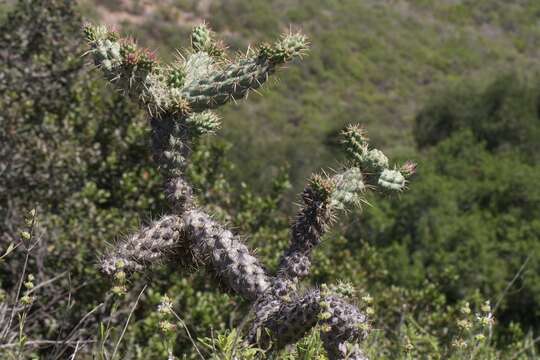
[(309, 226), (179, 97), (236, 79), (322, 196), (374, 162), (154, 243), (180, 194), (349, 189), (290, 320), (171, 145), (219, 249), (172, 138), (132, 70), (231, 83), (171, 142), (286, 321)]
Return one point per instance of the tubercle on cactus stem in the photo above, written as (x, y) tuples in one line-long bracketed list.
[(179, 98)]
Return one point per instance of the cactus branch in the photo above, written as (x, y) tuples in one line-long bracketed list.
[(289, 320), (236, 79), (195, 84), (152, 244), (226, 255)]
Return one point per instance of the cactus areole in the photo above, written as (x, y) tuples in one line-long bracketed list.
[(179, 98)]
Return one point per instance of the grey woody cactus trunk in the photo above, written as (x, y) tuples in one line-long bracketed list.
[(179, 98)]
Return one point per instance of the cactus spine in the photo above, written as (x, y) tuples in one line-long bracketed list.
[(179, 98)]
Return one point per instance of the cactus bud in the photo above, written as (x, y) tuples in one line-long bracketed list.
[(180, 106), (408, 169), (355, 142), (95, 33), (318, 189), (265, 51), (147, 60), (201, 37), (289, 46), (349, 188)]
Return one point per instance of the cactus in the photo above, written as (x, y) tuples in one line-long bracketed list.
[(374, 161), (179, 98)]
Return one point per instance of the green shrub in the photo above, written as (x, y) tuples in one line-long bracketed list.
[(504, 114)]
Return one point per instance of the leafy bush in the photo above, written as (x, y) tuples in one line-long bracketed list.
[(504, 115)]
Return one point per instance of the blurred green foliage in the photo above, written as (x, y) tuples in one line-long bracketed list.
[(503, 114)]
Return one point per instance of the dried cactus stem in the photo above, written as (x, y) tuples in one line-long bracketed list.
[(153, 244), (292, 319), (218, 248), (308, 228)]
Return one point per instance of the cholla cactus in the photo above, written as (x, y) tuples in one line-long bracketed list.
[(374, 162), (179, 98)]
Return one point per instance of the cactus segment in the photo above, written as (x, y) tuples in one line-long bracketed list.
[(152, 244), (392, 180), (226, 254), (349, 186), (309, 226), (206, 122), (291, 320), (235, 80), (374, 162), (201, 38)]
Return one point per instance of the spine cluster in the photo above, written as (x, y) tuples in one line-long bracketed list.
[(179, 98)]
